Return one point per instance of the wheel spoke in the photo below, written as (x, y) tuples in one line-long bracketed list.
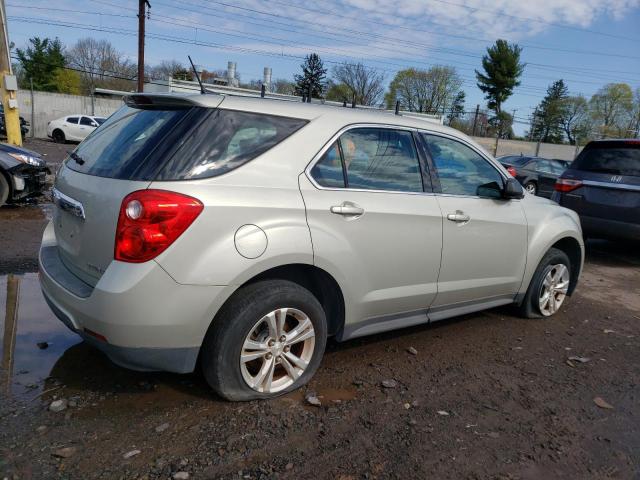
[(281, 317), (563, 286), (302, 332), (249, 356), (291, 370), (272, 324), (265, 373), (297, 361), (253, 345)]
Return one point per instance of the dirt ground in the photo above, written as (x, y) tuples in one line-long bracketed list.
[(487, 395)]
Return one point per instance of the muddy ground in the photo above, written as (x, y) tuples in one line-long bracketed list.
[(487, 395)]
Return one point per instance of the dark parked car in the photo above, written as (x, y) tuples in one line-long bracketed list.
[(537, 175), (603, 186), (22, 173), (24, 125)]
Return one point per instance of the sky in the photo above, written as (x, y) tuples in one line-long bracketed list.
[(588, 43)]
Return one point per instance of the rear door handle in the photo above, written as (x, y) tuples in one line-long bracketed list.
[(458, 217), (347, 209)]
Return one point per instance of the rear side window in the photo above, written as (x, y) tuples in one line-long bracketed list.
[(73, 120), (179, 143), (86, 121), (617, 158), (371, 159), (224, 140)]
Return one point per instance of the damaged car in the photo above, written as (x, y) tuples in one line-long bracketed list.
[(23, 173)]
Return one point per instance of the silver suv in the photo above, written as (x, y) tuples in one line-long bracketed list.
[(239, 233)]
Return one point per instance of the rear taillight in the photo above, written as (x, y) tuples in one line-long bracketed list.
[(150, 221), (511, 170), (565, 185)]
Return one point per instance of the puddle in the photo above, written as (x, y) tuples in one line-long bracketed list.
[(70, 367), (25, 366)]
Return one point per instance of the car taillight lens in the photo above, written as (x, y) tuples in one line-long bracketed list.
[(150, 221), (565, 185), (511, 170)]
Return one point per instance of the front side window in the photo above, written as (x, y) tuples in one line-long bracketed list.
[(461, 170), (86, 121)]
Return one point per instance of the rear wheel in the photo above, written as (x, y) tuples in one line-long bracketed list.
[(549, 286), (58, 136), (4, 189), (531, 187), (267, 340)]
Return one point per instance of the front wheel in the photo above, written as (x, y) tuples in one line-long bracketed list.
[(531, 187), (267, 340), (549, 286)]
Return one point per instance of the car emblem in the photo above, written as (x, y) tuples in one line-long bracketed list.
[(616, 178)]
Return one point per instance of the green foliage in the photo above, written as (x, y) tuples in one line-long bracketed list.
[(457, 108), (313, 77), (67, 81), (611, 108), (575, 119), (40, 61), (338, 92), (549, 114), (502, 70), (424, 91)]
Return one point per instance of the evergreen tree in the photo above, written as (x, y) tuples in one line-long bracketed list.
[(457, 109), (549, 115), (40, 62), (502, 69), (313, 77)]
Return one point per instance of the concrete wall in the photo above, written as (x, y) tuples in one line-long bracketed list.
[(50, 106), (517, 147)]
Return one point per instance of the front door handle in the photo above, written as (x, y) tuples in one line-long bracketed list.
[(347, 209), (458, 217)]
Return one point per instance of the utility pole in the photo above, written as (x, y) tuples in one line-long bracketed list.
[(142, 15), (8, 84), (475, 120)]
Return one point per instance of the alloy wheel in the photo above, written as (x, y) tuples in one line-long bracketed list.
[(277, 350), (554, 289)]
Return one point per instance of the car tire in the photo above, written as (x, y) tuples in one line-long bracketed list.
[(58, 136), (4, 189), (247, 327), (556, 264), (531, 187)]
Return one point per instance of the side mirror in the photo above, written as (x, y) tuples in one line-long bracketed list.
[(512, 189)]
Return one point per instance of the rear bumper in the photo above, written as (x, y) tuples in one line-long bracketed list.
[(149, 322), (604, 228)]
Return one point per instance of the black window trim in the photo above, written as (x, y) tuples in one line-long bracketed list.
[(437, 189), (335, 139)]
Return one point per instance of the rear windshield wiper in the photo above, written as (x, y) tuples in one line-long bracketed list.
[(78, 159)]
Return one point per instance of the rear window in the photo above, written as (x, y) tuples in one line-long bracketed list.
[(178, 143), (514, 160), (616, 158)]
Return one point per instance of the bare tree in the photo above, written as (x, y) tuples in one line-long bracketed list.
[(102, 65), (166, 69), (365, 84), (575, 118)]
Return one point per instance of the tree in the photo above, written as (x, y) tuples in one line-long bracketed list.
[(575, 119), (549, 115), (501, 125), (313, 78), (457, 108), (502, 69), (366, 85), (338, 92), (169, 68), (67, 81), (634, 123), (611, 107), (429, 91), (282, 86), (102, 64), (39, 62)]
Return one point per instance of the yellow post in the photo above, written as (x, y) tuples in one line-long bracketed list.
[(8, 85)]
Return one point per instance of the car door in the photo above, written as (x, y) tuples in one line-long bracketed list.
[(484, 237), (375, 226), (86, 126), (71, 128), (546, 177)]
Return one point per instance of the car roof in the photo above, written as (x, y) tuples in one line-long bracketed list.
[(305, 111)]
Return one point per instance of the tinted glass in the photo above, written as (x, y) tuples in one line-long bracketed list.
[(72, 120), (514, 160), (328, 171), (86, 121), (620, 159), (461, 170), (381, 159), (99, 120), (543, 166), (224, 140), (557, 167)]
